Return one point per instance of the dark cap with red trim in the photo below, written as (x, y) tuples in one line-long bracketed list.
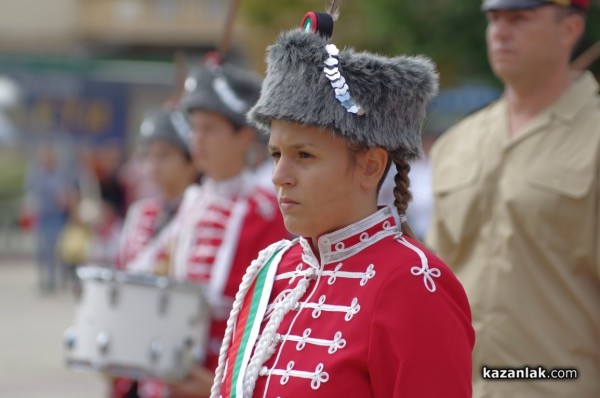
[(491, 5)]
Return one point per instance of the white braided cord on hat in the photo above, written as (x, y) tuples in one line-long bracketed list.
[(338, 82), (181, 125), (227, 95), (247, 281)]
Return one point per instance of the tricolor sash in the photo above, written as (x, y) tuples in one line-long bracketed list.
[(247, 327)]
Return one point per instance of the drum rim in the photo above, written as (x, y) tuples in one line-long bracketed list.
[(122, 370), (104, 274)]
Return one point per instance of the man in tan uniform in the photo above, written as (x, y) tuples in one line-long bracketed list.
[(517, 207)]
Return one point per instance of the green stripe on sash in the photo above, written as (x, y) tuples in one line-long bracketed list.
[(256, 297)]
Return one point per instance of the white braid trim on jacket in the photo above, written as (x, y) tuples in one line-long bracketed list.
[(249, 277)]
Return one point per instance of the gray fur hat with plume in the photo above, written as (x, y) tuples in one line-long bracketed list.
[(387, 96)]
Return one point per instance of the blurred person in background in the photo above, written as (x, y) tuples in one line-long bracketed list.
[(169, 166), (260, 161), (85, 212), (134, 175), (73, 245), (49, 194), (110, 205), (164, 139), (97, 207), (517, 215), (223, 223), (105, 235), (109, 160)]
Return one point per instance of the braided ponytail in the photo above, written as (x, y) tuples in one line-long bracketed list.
[(402, 192)]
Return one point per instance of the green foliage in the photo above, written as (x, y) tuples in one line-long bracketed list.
[(451, 32), (12, 172), (592, 32)]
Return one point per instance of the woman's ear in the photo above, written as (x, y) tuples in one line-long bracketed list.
[(372, 164)]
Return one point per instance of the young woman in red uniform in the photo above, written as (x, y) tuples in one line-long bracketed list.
[(354, 307)]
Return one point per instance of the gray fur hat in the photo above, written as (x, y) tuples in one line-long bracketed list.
[(225, 89), (308, 81), (163, 124)]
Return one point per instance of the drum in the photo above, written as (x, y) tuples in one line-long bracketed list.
[(137, 326)]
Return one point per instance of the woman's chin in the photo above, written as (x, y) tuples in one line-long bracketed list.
[(295, 226)]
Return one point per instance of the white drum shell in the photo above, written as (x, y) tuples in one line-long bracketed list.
[(137, 326)]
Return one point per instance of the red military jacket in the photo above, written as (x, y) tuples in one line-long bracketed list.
[(379, 317), (140, 229)]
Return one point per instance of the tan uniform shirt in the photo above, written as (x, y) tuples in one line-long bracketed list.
[(518, 219)]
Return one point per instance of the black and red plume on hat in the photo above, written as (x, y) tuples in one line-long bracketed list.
[(322, 22)]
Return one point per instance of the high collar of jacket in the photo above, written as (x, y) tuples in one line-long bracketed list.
[(345, 242)]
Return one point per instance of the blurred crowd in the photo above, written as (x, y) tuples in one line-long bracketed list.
[(75, 203)]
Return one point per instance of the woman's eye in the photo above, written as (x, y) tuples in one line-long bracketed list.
[(304, 155), (275, 155)]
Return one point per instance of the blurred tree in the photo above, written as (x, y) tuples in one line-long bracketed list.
[(452, 33), (592, 33)]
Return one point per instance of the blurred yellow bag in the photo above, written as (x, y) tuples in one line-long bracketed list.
[(73, 244)]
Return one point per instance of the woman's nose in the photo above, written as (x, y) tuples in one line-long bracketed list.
[(282, 173)]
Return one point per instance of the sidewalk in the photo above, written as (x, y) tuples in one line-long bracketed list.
[(31, 330)]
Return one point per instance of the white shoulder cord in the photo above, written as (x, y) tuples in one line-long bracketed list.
[(247, 281), (265, 347)]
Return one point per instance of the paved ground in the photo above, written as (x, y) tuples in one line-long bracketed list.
[(31, 330)]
